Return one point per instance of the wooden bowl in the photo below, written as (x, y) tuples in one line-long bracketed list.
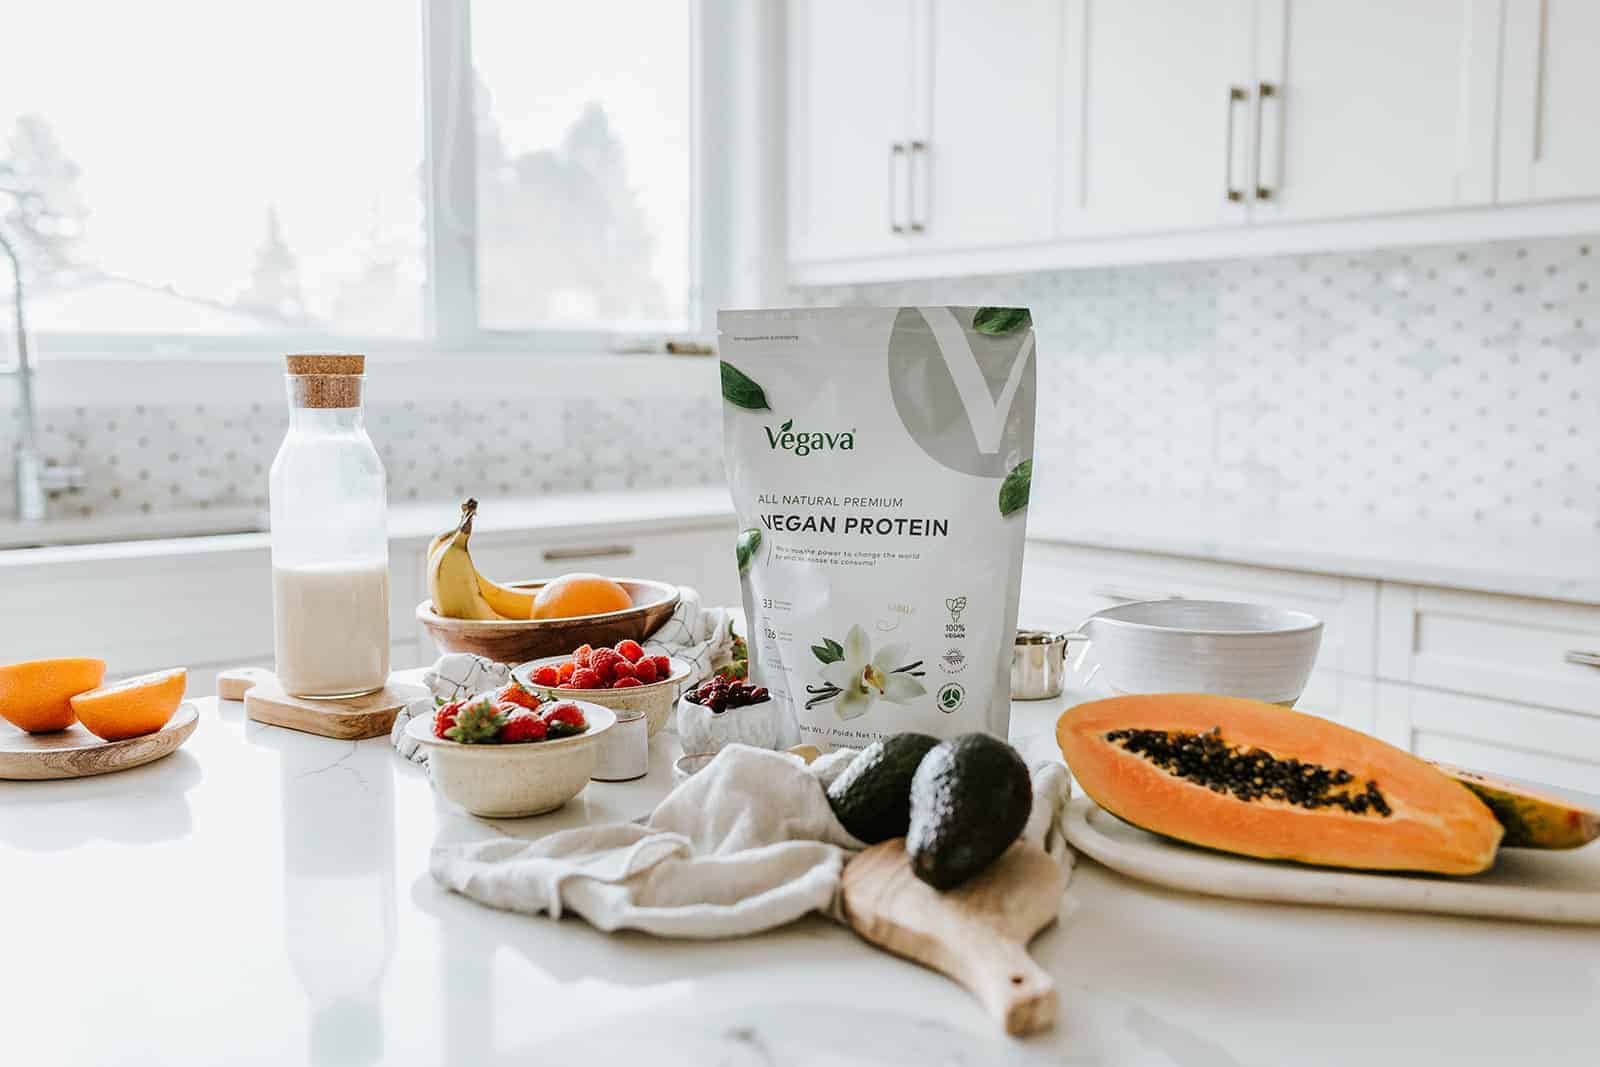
[(519, 640)]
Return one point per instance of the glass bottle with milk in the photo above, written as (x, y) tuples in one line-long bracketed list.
[(330, 545)]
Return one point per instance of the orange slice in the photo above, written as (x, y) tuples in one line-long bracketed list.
[(35, 696), (133, 706)]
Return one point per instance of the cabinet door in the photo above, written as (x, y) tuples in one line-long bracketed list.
[(987, 170), (850, 77), (1375, 106), (1549, 144), (1158, 119)]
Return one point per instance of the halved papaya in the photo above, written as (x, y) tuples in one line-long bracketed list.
[(1532, 819), (1262, 780)]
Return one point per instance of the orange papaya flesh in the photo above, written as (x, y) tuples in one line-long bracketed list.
[(1261, 780), (1532, 818)]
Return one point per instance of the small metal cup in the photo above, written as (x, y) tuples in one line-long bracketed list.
[(1038, 665)]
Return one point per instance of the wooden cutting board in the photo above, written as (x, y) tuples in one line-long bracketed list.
[(76, 753), (977, 933), (351, 719), (1525, 884)]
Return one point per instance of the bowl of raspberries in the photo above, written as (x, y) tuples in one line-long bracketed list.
[(725, 711), (622, 677), (510, 752)]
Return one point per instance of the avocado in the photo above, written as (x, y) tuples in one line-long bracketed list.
[(970, 799), (872, 798)]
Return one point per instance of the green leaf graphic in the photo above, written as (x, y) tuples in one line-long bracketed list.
[(997, 322), (745, 547), (738, 388), (830, 651), (787, 426), (1015, 489)]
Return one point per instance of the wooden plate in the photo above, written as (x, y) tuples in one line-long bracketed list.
[(76, 753), (1526, 884)]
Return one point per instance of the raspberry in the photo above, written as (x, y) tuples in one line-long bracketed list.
[(523, 726), (584, 678), (445, 717), (546, 675), (566, 671), (663, 666), (625, 683), (645, 671), (580, 655), (604, 662), (513, 693), (624, 669), (565, 719), (630, 651)]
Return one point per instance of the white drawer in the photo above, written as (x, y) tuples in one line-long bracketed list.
[(1063, 584), (1496, 646), (1534, 744)]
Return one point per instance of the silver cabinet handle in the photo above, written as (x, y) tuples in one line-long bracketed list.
[(1236, 96), (1584, 659), (919, 151), (897, 153), (1263, 90), (556, 555), (1128, 596)]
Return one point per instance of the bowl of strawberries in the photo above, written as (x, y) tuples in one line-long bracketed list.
[(622, 677), (510, 752)]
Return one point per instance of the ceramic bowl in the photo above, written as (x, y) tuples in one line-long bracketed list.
[(654, 700), (701, 731), (1205, 646), (510, 781), (519, 640), (686, 767)]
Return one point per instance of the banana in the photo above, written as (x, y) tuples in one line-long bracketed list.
[(509, 603), (452, 579)]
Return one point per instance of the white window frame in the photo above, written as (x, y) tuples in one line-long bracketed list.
[(450, 218)]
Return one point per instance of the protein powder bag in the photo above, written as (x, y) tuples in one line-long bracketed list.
[(880, 461)]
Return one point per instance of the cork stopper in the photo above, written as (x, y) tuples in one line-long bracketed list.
[(327, 381)]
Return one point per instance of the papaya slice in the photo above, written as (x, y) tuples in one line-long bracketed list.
[(1261, 780), (1532, 819)]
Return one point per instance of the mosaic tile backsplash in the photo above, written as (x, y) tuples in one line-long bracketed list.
[(1433, 386), (1441, 385)]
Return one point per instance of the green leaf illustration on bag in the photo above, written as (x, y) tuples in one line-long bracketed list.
[(738, 388), (997, 322), (1015, 489), (749, 541)]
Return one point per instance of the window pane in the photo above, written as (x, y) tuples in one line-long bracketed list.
[(215, 168), (583, 163)]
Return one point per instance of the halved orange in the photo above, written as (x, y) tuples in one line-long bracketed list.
[(35, 696), (133, 706)]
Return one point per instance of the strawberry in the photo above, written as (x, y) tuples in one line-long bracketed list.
[(584, 678), (625, 683), (477, 723), (513, 693), (547, 675), (630, 651), (445, 717), (623, 669), (523, 726), (603, 661), (645, 671), (565, 719), (565, 672), (580, 655), (663, 666)]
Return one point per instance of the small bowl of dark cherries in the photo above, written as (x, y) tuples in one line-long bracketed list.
[(725, 711)]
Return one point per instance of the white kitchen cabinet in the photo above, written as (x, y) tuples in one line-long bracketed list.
[(1166, 114), (1533, 744), (1549, 142), (1367, 107), (850, 75)]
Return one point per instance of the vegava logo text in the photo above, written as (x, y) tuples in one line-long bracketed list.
[(803, 442)]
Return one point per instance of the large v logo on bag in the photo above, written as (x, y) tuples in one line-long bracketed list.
[(986, 414)]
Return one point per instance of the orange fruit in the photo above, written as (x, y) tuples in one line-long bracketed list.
[(572, 595), (35, 696), (133, 706)]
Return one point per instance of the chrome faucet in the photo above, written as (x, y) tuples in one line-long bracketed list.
[(35, 479)]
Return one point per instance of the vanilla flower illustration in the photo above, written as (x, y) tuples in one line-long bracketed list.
[(857, 678)]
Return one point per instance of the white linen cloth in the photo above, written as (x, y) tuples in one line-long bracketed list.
[(747, 844), (694, 633)]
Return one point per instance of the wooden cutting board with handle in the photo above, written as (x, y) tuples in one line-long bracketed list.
[(977, 933)]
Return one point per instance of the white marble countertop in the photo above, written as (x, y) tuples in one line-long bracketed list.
[(262, 896)]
